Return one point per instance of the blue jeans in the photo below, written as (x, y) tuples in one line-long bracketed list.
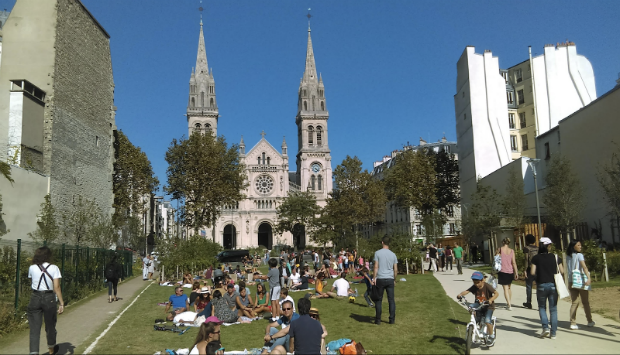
[(367, 296), (528, 287), (284, 341), (387, 285), (544, 292), (485, 313)]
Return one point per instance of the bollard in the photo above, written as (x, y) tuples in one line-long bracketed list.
[(606, 270), (17, 273), (407, 265)]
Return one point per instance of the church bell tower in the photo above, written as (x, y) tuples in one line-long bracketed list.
[(314, 170), (202, 112)]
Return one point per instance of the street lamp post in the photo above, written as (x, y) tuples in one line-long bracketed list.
[(532, 163)]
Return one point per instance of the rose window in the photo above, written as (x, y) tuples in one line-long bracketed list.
[(264, 184)]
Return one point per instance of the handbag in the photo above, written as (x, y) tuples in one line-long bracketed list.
[(375, 294), (578, 278), (497, 263), (560, 286)]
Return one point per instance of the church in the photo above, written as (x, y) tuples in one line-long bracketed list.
[(252, 222)]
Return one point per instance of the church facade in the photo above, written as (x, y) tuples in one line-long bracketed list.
[(251, 223)]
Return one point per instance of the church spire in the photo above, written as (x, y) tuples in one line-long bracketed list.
[(311, 89), (201, 60), (310, 71)]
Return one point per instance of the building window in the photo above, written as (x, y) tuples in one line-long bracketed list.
[(520, 97), (518, 75), (522, 120), (197, 126), (202, 99), (313, 182), (513, 143), (450, 211), (310, 135), (305, 106), (207, 127), (418, 229), (511, 97), (212, 103), (524, 142), (320, 182), (304, 93), (452, 229), (268, 161), (322, 105), (263, 158), (258, 161), (319, 135), (505, 75), (193, 102), (320, 93), (446, 148), (547, 151), (511, 120)]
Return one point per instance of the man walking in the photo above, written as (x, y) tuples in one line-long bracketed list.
[(473, 249), (385, 271), (529, 251), (432, 254), (458, 255)]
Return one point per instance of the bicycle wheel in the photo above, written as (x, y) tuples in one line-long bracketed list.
[(469, 340)]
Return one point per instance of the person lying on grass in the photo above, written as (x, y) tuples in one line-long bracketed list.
[(243, 303), (209, 332), (261, 301), (179, 302), (484, 294)]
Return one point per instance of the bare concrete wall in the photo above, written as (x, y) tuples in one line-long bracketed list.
[(22, 202)]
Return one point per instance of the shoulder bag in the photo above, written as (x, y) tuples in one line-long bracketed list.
[(578, 278), (560, 286)]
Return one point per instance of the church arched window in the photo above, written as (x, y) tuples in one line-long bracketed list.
[(304, 93), (197, 126), (313, 101), (322, 105), (202, 99), (207, 127), (305, 106), (313, 182), (193, 102), (268, 161), (320, 182), (258, 161), (310, 135), (211, 102), (319, 135)]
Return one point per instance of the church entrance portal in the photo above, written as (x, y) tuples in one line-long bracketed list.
[(265, 235), (230, 237), (299, 236)]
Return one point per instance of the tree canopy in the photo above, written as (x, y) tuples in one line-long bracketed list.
[(514, 202), (485, 212), (205, 174), (563, 196), (48, 229), (609, 179), (297, 208)]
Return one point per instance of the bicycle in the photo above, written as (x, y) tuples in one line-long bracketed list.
[(477, 328)]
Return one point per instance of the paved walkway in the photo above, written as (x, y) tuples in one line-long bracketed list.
[(517, 330), (79, 325)]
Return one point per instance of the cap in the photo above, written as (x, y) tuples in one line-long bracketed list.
[(477, 276), (213, 319), (545, 241), (230, 286)]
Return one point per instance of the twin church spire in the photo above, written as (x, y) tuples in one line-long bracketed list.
[(311, 88)]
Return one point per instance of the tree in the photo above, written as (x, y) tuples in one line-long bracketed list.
[(356, 199), (485, 212), (412, 181), (132, 234), (133, 180), (78, 221), (102, 233), (514, 202), (48, 230), (298, 208), (3, 229), (609, 179), (448, 191), (563, 195), (206, 175)]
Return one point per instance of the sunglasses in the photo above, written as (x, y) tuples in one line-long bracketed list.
[(218, 332), (220, 349), (286, 309)]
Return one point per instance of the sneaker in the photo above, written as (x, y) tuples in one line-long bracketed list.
[(552, 337), (574, 327), (491, 340), (527, 305), (591, 324), (545, 333), (508, 308)]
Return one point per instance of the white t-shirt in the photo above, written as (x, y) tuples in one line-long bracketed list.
[(342, 287), (316, 257), (185, 316), (35, 274), (295, 278), (288, 298)]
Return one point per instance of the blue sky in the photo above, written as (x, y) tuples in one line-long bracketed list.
[(389, 67)]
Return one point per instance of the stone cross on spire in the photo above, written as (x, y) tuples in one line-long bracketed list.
[(262, 134)]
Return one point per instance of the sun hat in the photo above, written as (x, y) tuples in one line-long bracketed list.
[(477, 276), (205, 290), (213, 319), (545, 241), (314, 311)]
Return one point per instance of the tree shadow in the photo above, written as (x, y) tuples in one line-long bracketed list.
[(362, 318), (459, 322), (66, 348), (456, 343)]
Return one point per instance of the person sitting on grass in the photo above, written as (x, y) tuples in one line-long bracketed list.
[(284, 296), (242, 284), (204, 299), (230, 296), (188, 279), (272, 328), (196, 290), (221, 309), (209, 331), (342, 287), (179, 302), (306, 334), (294, 278), (274, 285), (319, 284), (215, 348), (261, 301), (243, 303), (484, 294), (302, 284)]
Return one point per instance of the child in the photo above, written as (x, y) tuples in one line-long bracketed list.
[(274, 286), (484, 293), (364, 273)]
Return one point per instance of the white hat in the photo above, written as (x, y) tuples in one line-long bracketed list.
[(545, 241), (205, 290)]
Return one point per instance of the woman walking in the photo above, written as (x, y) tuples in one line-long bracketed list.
[(113, 273), (544, 266), (442, 257), (508, 271), (448, 253), (45, 283), (574, 261)]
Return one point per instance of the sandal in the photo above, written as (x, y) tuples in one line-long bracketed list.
[(110, 300)]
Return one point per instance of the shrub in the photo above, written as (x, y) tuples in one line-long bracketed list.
[(520, 259), (593, 256), (613, 263)]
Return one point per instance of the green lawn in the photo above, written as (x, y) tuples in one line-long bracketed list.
[(427, 321)]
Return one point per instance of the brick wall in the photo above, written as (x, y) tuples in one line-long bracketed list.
[(79, 117)]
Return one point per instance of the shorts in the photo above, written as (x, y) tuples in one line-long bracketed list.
[(486, 313), (505, 278), (275, 293)]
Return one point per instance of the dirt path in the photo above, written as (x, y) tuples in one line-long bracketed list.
[(517, 330), (79, 325)]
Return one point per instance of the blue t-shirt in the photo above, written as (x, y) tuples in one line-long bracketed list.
[(178, 301), (286, 321), (307, 333), (386, 259)]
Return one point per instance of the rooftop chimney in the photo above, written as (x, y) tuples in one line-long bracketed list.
[(422, 141)]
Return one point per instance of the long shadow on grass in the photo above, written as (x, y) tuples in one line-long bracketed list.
[(456, 321), (456, 343), (362, 319), (66, 348)]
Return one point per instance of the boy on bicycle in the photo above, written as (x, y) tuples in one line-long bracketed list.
[(485, 294)]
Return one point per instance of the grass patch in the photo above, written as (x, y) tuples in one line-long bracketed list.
[(427, 321)]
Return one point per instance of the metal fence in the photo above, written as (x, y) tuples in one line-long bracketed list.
[(82, 269)]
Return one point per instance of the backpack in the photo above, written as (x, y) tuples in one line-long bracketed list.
[(497, 263), (531, 252), (352, 348), (110, 272)]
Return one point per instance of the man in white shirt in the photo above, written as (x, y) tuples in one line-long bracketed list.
[(145, 267), (342, 286)]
